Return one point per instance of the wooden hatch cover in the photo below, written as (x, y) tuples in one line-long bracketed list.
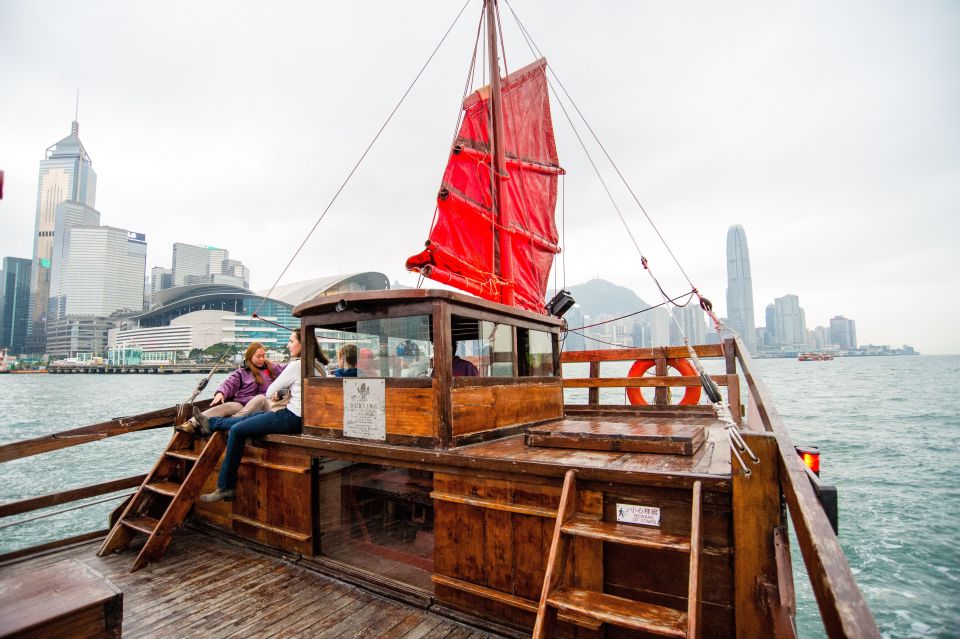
[(647, 435), (63, 599)]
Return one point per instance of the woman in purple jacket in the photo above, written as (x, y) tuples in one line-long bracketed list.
[(243, 391)]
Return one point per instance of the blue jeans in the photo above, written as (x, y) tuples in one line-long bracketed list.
[(240, 429)]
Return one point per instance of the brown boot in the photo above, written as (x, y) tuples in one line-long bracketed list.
[(189, 427)]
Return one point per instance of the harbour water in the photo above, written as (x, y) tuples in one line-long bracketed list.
[(887, 427)]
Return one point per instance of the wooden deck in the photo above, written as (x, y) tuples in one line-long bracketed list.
[(709, 463), (210, 587)]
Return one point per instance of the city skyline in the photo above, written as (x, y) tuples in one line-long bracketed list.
[(843, 174)]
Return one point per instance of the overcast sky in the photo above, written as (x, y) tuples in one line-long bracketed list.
[(829, 130)]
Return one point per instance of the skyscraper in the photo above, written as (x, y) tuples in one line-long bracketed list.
[(693, 322), (843, 332), (66, 173), (740, 287), (206, 264), (791, 322), (69, 214), (103, 269), (14, 304)]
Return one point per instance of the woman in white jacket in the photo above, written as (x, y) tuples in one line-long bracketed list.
[(285, 421)]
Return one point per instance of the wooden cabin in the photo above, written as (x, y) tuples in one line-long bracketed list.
[(455, 493)]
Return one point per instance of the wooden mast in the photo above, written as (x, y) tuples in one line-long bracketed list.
[(503, 249)]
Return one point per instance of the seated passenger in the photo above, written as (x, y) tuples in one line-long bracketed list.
[(412, 364), (346, 361), (462, 367), (239, 429), (243, 392)]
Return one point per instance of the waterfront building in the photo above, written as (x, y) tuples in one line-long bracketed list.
[(14, 304), (611, 333), (102, 277), (69, 214), (575, 341), (790, 323), (66, 173), (200, 315), (653, 328), (740, 287), (692, 321), (821, 337), (843, 332), (770, 318), (160, 279), (189, 260), (206, 265)]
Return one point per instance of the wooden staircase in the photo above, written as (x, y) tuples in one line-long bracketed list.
[(165, 497), (610, 609)]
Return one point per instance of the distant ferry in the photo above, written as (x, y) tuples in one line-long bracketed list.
[(815, 357)]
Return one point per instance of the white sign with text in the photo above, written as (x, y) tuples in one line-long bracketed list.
[(364, 409), (633, 514)]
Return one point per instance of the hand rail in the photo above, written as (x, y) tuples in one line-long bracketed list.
[(621, 354), (95, 432), (843, 610), (67, 496)]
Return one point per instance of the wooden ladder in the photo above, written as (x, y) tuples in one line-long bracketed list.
[(165, 497), (610, 609)]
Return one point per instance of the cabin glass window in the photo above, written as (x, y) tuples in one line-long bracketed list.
[(378, 519), (385, 347), (535, 353), (484, 349)]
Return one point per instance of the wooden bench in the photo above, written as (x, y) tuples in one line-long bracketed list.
[(64, 599)]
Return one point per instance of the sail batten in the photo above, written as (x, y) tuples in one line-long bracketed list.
[(463, 250)]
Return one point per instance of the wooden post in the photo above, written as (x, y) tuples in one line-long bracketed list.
[(661, 393), (443, 369), (593, 394), (756, 516), (733, 381)]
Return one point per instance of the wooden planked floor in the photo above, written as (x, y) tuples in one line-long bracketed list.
[(205, 587)]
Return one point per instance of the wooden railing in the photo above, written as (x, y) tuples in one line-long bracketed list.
[(660, 381), (843, 610), (164, 418)]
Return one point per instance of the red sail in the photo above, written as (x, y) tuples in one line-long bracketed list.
[(463, 250)]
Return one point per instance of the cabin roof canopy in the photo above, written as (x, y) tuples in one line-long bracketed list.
[(406, 296)]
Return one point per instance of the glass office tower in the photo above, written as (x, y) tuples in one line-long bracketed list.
[(66, 173)]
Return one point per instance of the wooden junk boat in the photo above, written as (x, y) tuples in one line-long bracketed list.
[(485, 498)]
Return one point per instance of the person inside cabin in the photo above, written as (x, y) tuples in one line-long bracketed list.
[(285, 421), (244, 391), (346, 361), (463, 367), (410, 364)]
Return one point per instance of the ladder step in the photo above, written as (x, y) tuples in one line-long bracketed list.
[(186, 453), (167, 488), (617, 611), (143, 524), (625, 534)]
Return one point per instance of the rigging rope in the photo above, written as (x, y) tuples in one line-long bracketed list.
[(203, 383), (713, 392), (644, 310), (456, 129)]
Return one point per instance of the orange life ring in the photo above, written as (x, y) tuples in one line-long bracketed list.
[(690, 396)]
